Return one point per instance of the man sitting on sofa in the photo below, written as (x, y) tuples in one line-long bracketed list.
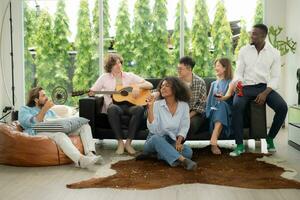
[(198, 89), (258, 68), (38, 109)]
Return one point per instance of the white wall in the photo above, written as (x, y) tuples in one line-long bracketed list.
[(275, 12), (285, 13), (293, 60), (275, 15), (5, 65)]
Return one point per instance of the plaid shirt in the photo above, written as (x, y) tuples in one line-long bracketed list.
[(198, 98)]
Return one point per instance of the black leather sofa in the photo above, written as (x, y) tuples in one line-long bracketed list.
[(90, 108)]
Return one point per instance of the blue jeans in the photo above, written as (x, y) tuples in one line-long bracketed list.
[(164, 146)]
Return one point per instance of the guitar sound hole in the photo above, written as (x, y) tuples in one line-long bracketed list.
[(124, 93)]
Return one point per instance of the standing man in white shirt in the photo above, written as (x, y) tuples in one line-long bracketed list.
[(258, 68)]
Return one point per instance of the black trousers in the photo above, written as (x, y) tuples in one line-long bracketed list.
[(274, 101), (196, 122), (115, 112)]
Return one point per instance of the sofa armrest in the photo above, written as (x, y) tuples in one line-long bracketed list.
[(89, 107), (258, 121)]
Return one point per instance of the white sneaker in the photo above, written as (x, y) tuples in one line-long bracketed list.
[(99, 158), (86, 161)]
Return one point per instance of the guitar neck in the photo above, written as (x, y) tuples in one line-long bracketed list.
[(106, 92), (79, 93), (122, 95)]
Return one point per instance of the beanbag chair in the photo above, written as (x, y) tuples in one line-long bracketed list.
[(21, 149)]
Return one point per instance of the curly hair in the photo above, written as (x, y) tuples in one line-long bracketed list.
[(111, 60), (179, 88)]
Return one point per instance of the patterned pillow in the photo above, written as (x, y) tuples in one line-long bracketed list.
[(65, 125)]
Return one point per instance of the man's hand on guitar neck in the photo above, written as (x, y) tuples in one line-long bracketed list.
[(91, 93)]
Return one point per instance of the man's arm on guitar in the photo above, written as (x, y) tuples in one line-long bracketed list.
[(142, 85), (98, 85), (145, 85)]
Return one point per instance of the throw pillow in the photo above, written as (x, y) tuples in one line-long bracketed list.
[(62, 111), (65, 125)]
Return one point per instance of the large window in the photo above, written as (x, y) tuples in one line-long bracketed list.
[(61, 45), (141, 31), (62, 42)]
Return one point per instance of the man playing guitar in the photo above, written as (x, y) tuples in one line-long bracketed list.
[(112, 80)]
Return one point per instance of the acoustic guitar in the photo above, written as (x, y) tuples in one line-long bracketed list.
[(122, 94)]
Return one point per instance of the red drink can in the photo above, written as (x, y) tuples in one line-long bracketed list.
[(240, 89)]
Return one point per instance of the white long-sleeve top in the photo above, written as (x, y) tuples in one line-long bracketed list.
[(253, 68), (166, 124)]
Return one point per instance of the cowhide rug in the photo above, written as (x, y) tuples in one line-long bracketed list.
[(245, 171)]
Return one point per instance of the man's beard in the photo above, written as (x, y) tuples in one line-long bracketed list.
[(41, 105)]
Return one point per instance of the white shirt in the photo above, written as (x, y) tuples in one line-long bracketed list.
[(253, 68), (165, 123)]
